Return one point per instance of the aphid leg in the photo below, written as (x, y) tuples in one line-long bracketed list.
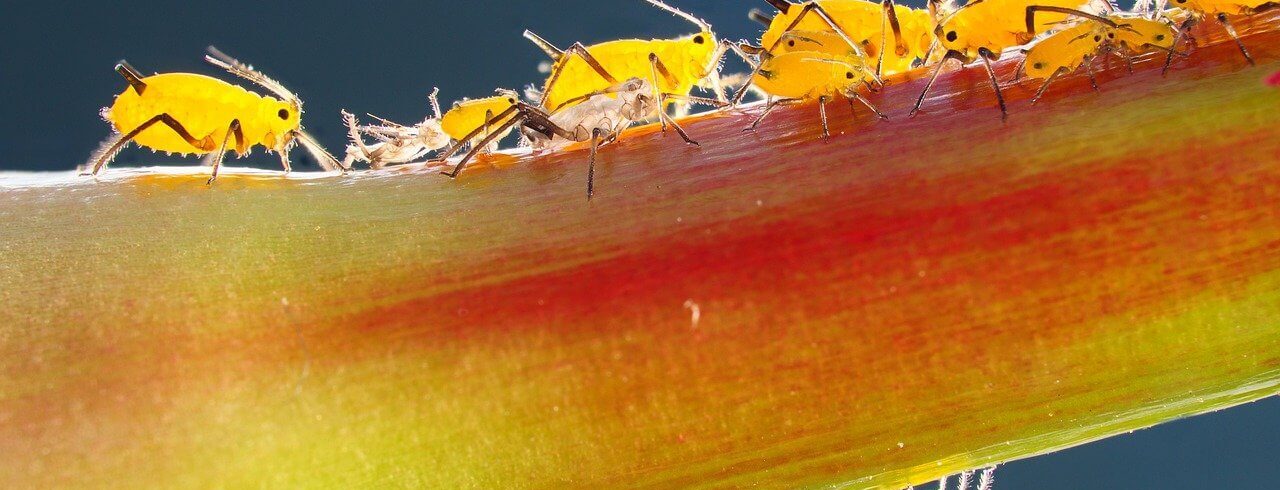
[(936, 70), (742, 91), (1177, 38), (478, 147), (1231, 30), (986, 56), (488, 115), (769, 107), (822, 114), (851, 96), (782, 5), (1093, 80), (1031, 16), (698, 100), (353, 133), (662, 114), (108, 152), (1047, 81), (284, 162), (581, 51), (900, 44), (326, 160), (519, 107), (215, 158), (591, 166)]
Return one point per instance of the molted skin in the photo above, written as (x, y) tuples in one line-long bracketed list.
[(205, 106), (809, 75), (690, 59), (607, 112), (863, 21)]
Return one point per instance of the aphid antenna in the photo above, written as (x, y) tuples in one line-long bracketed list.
[(235, 67), (702, 24)]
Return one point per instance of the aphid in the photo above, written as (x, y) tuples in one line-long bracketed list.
[(672, 66), (983, 29), (597, 117), (1116, 32), (860, 25), (200, 115), (1063, 52), (808, 75), (1220, 9), (403, 144)]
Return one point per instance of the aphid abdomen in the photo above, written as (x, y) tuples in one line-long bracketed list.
[(471, 114), (204, 106)]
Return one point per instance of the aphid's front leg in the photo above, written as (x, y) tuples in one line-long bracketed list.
[(936, 70), (108, 151), (987, 56), (217, 156), (1231, 30), (1047, 81)]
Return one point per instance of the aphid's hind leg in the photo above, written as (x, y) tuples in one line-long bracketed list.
[(107, 152), (443, 157), (1231, 30), (217, 156), (581, 51), (986, 56), (932, 78), (1045, 86)]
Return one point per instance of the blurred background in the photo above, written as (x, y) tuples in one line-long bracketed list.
[(383, 57)]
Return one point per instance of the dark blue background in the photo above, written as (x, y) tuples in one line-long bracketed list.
[(383, 57)]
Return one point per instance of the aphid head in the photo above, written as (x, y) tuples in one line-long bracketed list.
[(702, 47), (286, 118)]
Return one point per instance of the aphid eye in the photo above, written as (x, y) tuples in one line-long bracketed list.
[(698, 39), (791, 43), (1097, 38), (1111, 35), (952, 36), (1038, 66), (1159, 37), (849, 75), (511, 100), (284, 114)]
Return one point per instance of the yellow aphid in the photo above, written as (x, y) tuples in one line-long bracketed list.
[(187, 113), (1063, 52), (672, 66), (983, 29), (798, 76), (1221, 9), (469, 114), (865, 23)]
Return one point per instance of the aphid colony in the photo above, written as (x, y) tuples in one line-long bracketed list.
[(817, 50)]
